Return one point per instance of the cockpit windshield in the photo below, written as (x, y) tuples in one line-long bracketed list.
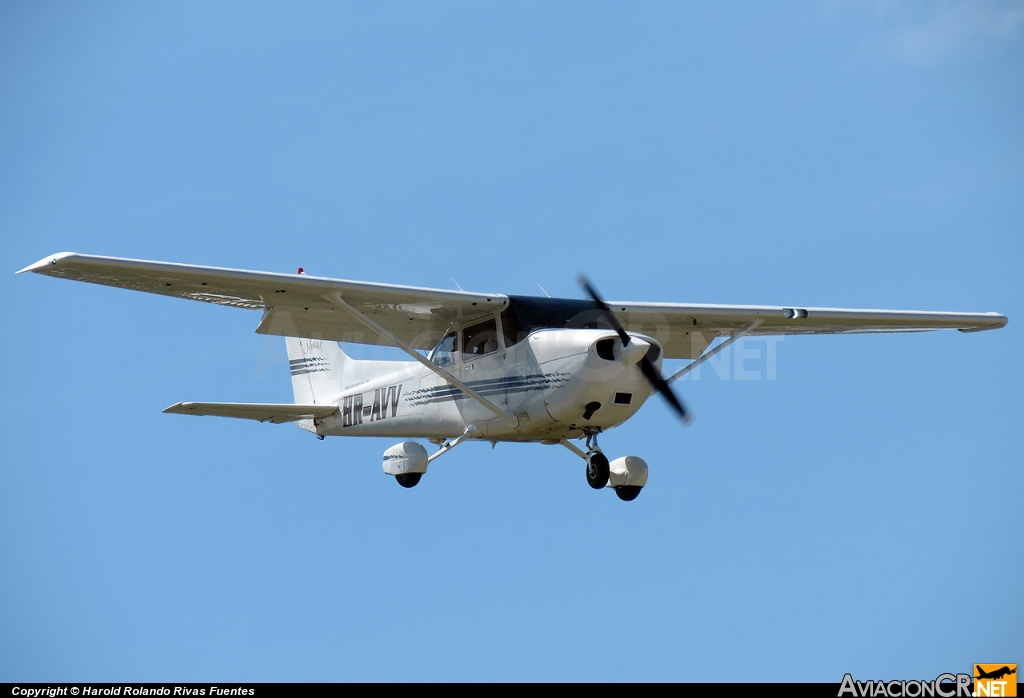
[(445, 351), (528, 313)]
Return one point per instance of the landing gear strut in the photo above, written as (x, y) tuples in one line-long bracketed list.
[(408, 461)]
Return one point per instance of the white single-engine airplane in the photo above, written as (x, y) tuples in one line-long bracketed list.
[(500, 368)]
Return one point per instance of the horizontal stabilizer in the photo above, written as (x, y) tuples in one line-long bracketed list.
[(261, 412)]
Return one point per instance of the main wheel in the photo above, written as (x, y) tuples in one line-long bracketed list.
[(627, 493), (408, 479), (597, 470)]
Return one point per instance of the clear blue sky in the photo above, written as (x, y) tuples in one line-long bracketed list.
[(860, 513)]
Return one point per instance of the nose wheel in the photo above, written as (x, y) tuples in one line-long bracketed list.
[(597, 464), (597, 470), (630, 474)]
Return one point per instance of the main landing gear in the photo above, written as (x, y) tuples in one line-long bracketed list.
[(408, 479), (408, 461), (627, 493)]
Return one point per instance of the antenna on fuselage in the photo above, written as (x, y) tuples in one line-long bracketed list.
[(542, 289)]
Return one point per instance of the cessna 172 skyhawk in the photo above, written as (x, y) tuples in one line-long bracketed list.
[(499, 368)]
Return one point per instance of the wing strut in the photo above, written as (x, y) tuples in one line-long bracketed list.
[(747, 329), (504, 416)]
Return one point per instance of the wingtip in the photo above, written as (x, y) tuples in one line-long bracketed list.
[(49, 261), (993, 321)]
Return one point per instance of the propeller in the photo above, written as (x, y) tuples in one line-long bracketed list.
[(646, 366)]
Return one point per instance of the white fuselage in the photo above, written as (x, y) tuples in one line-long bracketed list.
[(555, 383)]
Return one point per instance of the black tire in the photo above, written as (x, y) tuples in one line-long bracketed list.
[(409, 479), (597, 470), (628, 493)]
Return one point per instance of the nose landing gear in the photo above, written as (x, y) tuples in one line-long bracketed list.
[(597, 464), (626, 475), (597, 470)]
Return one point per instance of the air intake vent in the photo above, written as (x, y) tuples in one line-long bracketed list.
[(606, 349)]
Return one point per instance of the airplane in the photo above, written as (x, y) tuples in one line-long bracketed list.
[(996, 673), (484, 366)]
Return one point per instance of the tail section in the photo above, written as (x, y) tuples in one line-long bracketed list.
[(317, 366)]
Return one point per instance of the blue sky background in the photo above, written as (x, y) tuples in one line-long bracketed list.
[(860, 513)]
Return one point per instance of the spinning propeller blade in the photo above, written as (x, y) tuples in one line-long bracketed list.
[(608, 314), (646, 366)]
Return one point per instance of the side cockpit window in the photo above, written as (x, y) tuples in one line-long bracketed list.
[(445, 351), (480, 339)]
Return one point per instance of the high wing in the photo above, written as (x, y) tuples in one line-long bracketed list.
[(298, 306), (685, 330), (261, 412), (293, 305)]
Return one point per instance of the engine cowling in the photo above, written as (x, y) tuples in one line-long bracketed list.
[(405, 458), (628, 471), (599, 381)]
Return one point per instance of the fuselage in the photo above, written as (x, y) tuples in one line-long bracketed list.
[(556, 383)]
